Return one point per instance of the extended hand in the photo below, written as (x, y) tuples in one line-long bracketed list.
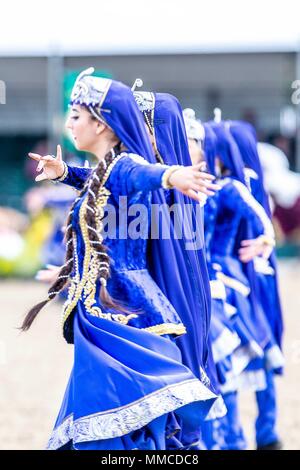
[(252, 248), (51, 167), (190, 180)]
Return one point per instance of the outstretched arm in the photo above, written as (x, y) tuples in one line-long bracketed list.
[(75, 176), (55, 169), (132, 174), (239, 198)]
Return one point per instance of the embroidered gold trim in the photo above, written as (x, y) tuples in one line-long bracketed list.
[(77, 287), (86, 286), (89, 293), (64, 175), (73, 280), (166, 176), (167, 329)]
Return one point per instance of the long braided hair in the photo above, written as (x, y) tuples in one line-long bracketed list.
[(91, 188)]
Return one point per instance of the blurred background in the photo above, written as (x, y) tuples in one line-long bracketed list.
[(242, 58)]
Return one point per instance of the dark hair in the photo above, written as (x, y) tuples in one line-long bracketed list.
[(91, 188)]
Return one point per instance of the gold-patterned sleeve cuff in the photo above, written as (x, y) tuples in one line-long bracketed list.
[(64, 175), (166, 176), (167, 329)]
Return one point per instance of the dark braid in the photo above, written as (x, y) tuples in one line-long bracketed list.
[(149, 120), (94, 232), (92, 187), (62, 277)]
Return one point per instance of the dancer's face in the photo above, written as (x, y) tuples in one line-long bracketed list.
[(195, 152), (86, 131)]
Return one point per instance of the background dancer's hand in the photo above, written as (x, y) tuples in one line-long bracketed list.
[(48, 275), (191, 181), (254, 247), (51, 167)]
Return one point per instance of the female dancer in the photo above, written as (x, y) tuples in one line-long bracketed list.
[(268, 294), (164, 118), (127, 377), (202, 146), (227, 347), (237, 214)]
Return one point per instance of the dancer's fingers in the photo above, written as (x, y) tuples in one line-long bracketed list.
[(40, 166), (206, 181), (48, 158), (35, 156), (212, 187), (41, 177), (248, 242), (195, 187), (193, 194), (59, 153), (202, 174)]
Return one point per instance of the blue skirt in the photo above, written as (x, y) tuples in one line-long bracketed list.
[(128, 389)]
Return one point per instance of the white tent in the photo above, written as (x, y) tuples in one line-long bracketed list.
[(75, 27)]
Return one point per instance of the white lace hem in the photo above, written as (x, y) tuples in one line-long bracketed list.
[(274, 358), (120, 421), (248, 380), (225, 344), (218, 410), (243, 355)]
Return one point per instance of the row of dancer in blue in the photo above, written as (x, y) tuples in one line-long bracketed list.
[(246, 327), (152, 369), (138, 308)]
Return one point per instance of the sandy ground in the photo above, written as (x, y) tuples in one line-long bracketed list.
[(34, 367)]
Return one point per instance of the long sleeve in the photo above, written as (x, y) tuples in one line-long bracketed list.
[(76, 176), (238, 198), (133, 174)]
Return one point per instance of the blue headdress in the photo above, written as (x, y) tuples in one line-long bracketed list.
[(180, 273), (228, 151), (204, 135), (210, 147), (175, 269), (245, 136), (194, 128), (112, 102)]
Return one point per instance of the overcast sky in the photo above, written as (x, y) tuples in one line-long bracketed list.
[(141, 26)]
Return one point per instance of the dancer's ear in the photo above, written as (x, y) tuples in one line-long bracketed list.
[(100, 127)]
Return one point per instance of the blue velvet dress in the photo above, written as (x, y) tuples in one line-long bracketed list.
[(265, 271), (224, 338), (235, 204), (266, 276), (128, 388)]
